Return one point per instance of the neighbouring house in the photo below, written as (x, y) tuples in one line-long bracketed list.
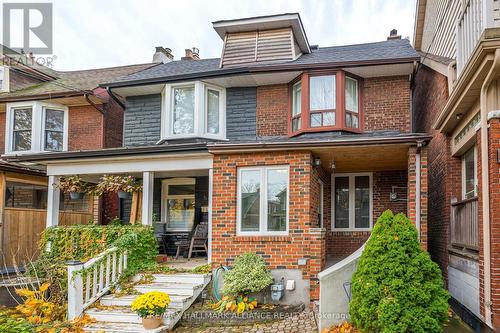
[(455, 99), (284, 148), (44, 110)]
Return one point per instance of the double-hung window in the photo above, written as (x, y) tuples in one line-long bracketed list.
[(36, 127), (193, 109), (351, 103), (469, 174), (322, 101), (352, 204), (296, 106), (263, 195)]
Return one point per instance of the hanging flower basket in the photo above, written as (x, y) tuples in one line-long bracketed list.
[(124, 186), (75, 186)]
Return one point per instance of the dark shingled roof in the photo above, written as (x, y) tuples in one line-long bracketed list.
[(397, 49), (76, 82)]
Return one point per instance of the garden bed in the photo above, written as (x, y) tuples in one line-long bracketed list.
[(202, 315)]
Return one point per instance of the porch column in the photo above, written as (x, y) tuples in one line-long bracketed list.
[(53, 202), (147, 197), (210, 189)]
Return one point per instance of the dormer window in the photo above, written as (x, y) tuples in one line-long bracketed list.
[(193, 109), (36, 127), (325, 102)]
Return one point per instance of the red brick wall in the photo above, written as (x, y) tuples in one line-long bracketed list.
[(386, 104), (340, 244), (412, 191), (272, 110), (430, 94), (278, 251), (113, 135), (85, 128)]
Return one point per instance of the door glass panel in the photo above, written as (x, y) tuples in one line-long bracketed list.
[(180, 213), (362, 202), (181, 189), (183, 110), (342, 202), (250, 200), (277, 189)]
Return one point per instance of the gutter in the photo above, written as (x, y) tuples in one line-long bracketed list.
[(114, 98), (255, 146), (492, 75), (40, 96)]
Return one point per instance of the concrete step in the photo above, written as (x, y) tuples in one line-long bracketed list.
[(122, 328), (178, 289), (177, 278), (176, 301), (126, 315)]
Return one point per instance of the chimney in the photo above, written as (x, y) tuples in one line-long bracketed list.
[(393, 35), (192, 54), (162, 55)]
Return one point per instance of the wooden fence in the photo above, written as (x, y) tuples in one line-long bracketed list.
[(464, 224)]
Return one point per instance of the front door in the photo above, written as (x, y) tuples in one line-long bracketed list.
[(178, 204)]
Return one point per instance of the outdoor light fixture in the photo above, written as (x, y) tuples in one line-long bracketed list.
[(332, 166), (316, 161)]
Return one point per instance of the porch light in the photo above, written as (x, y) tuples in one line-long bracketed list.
[(332, 166), (316, 161)]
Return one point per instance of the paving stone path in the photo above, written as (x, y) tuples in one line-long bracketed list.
[(300, 323)]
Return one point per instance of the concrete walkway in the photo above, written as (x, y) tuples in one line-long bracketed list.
[(299, 323)]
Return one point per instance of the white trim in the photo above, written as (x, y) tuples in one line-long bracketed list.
[(210, 196), (53, 200), (37, 125), (462, 161), (147, 197), (200, 111), (137, 164), (352, 201), (263, 202), (5, 75), (165, 183)]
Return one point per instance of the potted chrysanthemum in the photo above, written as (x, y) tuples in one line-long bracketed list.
[(151, 307)]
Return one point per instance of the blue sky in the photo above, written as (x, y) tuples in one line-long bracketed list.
[(98, 33)]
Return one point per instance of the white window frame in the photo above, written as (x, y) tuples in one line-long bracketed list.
[(462, 161), (352, 200), (200, 125), (37, 126), (263, 202), (165, 196), (321, 203), (4, 74)]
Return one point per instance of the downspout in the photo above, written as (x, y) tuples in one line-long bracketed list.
[(492, 75), (417, 187)]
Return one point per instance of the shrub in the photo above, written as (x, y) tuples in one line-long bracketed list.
[(248, 275), (83, 242), (397, 288)]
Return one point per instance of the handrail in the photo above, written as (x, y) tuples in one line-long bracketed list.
[(100, 273)]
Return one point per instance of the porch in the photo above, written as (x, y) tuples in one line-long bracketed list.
[(174, 199)]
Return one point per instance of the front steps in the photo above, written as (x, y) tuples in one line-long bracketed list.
[(115, 315)]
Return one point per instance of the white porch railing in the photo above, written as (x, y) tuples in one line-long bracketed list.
[(100, 274), (476, 16)]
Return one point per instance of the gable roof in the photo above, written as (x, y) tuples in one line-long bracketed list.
[(390, 51), (72, 82)]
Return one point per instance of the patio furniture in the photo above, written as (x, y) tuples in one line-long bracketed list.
[(197, 243)]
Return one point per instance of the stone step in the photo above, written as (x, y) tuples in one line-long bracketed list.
[(176, 301), (126, 315), (178, 289), (122, 328), (177, 278)]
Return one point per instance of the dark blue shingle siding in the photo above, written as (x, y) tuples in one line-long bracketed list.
[(142, 120), (241, 108)]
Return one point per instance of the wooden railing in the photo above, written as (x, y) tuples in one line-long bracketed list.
[(100, 274), (476, 16), (464, 224)]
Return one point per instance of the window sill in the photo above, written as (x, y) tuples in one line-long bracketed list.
[(263, 238), (194, 136), (345, 231), (326, 129)]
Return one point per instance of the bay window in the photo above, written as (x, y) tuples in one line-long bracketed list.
[(262, 205), (193, 109), (352, 205), (331, 101), (36, 127)]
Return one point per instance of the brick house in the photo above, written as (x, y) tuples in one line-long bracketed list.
[(283, 148), (455, 99), (44, 110)]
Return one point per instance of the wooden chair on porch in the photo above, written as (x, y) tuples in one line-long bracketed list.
[(197, 243)]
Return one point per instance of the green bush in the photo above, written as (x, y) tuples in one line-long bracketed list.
[(397, 288), (249, 274), (83, 242)]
